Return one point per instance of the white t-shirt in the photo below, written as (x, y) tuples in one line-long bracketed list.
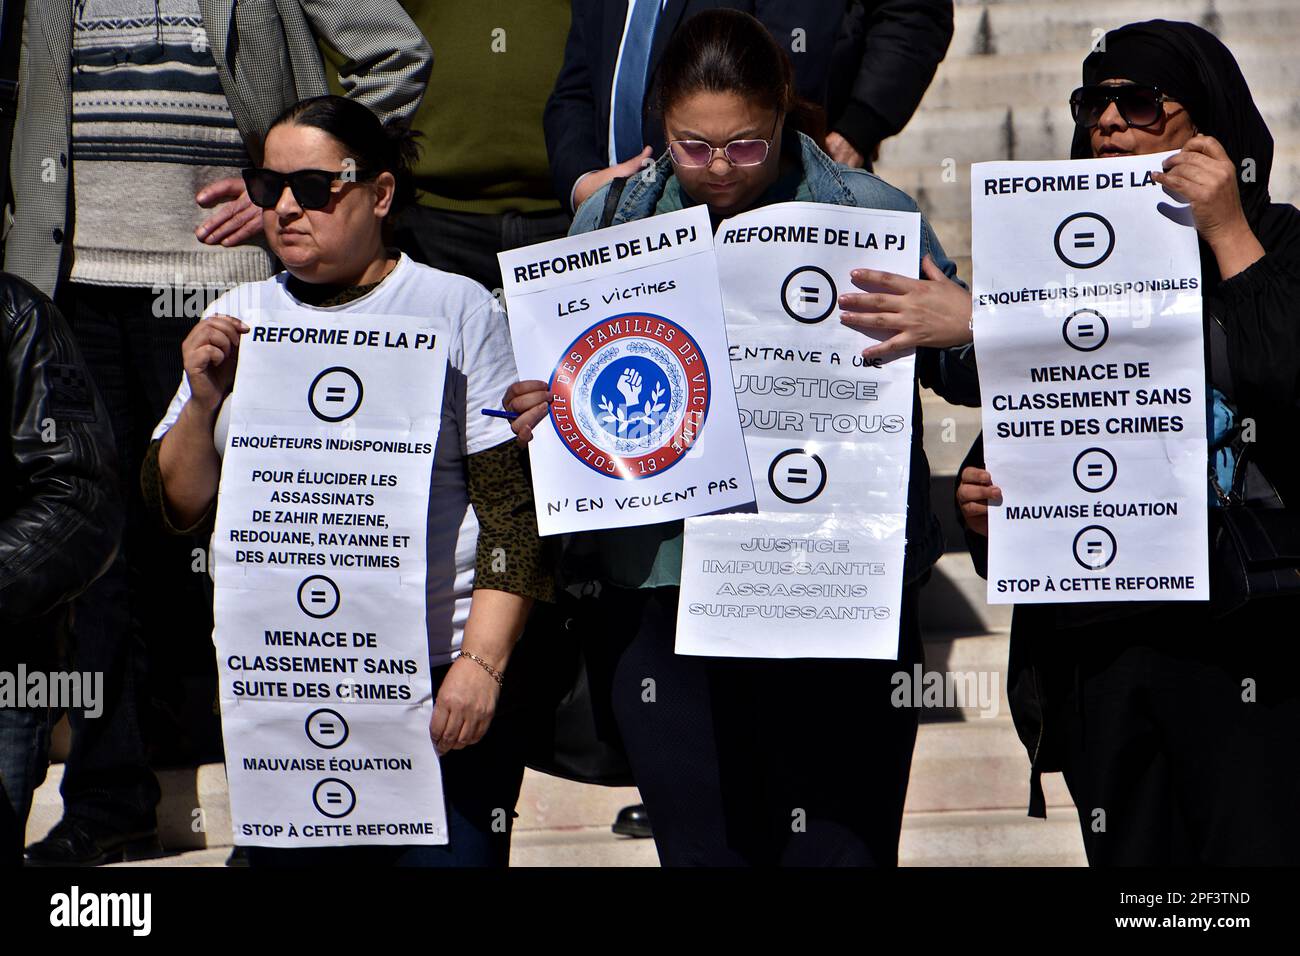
[(480, 366)]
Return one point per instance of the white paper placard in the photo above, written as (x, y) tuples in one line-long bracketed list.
[(818, 571), (319, 566), (1092, 378), (626, 326)]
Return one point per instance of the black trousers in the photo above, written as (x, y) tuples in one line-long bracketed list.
[(467, 243), (761, 762), (1182, 734), (147, 623)]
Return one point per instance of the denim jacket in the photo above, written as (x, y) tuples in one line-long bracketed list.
[(950, 372)]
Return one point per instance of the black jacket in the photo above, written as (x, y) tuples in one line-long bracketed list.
[(868, 62), (60, 517), (1257, 312)]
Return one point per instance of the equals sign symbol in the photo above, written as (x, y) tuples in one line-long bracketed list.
[(333, 798), (1094, 547), (809, 294), (797, 476), (1084, 240), (1095, 471), (327, 728), (335, 393), (1084, 331), (317, 597)]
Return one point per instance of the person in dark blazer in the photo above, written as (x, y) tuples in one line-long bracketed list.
[(868, 62)]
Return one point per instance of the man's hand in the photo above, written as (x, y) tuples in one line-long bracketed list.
[(842, 151), (237, 221), (592, 182), (933, 312), (466, 702)]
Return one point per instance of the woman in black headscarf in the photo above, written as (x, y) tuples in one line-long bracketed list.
[(1177, 724)]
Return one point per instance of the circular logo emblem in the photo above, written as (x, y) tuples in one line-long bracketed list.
[(808, 295), (1084, 240), (1086, 330), (631, 395), (335, 394)]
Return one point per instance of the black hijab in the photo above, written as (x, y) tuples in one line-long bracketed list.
[(1194, 67)]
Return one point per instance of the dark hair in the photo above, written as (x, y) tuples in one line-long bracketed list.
[(376, 148), (727, 51)]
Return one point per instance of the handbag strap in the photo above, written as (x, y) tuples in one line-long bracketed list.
[(612, 199)]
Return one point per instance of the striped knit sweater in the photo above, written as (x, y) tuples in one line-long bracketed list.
[(150, 128)]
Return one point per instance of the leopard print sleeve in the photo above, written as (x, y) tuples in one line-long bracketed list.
[(151, 487), (511, 557)]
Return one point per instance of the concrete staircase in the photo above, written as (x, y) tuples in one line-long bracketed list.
[(1002, 91)]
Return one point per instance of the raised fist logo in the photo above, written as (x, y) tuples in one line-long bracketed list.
[(630, 385)]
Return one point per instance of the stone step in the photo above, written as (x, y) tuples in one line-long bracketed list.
[(553, 803), (988, 838), (997, 131), (954, 599), (943, 202), (1045, 79), (991, 838), (209, 856), (955, 236), (949, 432), (969, 657), (964, 770), (976, 764), (1068, 28), (580, 846), (194, 812)]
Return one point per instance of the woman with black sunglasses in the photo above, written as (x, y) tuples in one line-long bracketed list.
[(748, 762), (333, 177), (1176, 723)]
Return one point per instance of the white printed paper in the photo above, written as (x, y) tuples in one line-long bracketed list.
[(626, 326), (1092, 378), (819, 571), (319, 570)]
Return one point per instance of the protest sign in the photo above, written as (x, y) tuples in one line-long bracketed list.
[(625, 325), (1087, 317), (818, 571), (319, 567)]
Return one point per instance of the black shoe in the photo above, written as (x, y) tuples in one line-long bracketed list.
[(633, 822), (76, 842)]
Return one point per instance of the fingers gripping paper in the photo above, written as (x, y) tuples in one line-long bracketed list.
[(818, 572), (1088, 332), (319, 567), (625, 326)]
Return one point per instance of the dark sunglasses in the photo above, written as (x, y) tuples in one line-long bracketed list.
[(1138, 105), (312, 188)]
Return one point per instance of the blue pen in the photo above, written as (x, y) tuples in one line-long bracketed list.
[(497, 413)]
